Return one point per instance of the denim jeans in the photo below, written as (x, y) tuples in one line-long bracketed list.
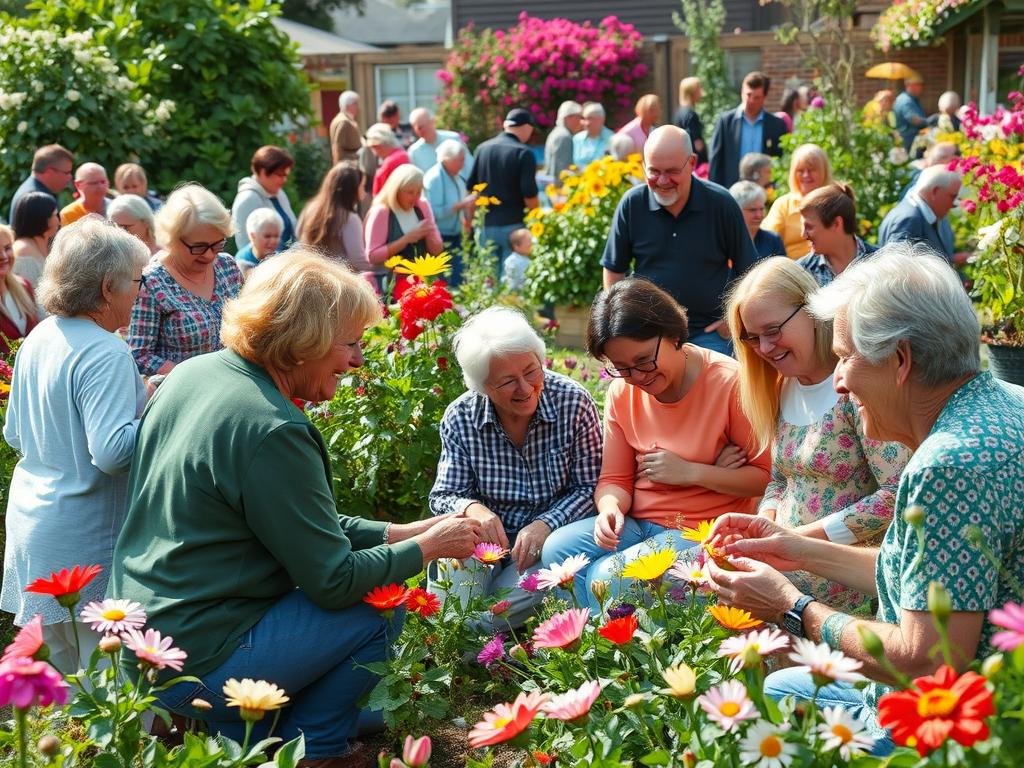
[(798, 684), (712, 341), (468, 578), (314, 655), (499, 236), (453, 245), (638, 537)]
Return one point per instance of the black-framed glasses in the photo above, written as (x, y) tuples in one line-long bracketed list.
[(645, 367), (531, 377), (770, 334), (198, 249), (140, 280)]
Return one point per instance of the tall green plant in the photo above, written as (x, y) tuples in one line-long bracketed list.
[(702, 22)]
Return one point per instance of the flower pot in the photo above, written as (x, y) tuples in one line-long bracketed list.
[(1006, 363), (572, 326)]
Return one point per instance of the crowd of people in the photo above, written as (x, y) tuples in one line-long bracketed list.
[(773, 376)]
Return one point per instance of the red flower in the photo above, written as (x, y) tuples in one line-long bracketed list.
[(386, 598), (420, 304), (65, 585), (442, 363), (941, 706), (619, 631), (422, 602)]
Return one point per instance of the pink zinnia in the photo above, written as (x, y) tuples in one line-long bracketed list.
[(528, 582), (573, 705), (561, 630), (501, 607), (24, 683), (728, 704), (27, 642), (489, 553), (113, 616), (506, 721), (1011, 618), (493, 652), (153, 650)]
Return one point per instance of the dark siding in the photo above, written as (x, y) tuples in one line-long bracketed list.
[(650, 17)]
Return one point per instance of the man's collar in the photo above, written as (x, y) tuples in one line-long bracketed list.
[(740, 112), (924, 208)]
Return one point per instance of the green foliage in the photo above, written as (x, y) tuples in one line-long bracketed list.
[(702, 21), (868, 162), (312, 161), (234, 78), (317, 13)]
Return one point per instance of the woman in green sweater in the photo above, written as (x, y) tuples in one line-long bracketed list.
[(233, 541)]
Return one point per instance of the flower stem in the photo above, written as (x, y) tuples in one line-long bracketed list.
[(78, 644), (19, 715), (245, 741)]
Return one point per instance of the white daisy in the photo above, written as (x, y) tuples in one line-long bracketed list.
[(823, 663), (765, 747), (844, 732)]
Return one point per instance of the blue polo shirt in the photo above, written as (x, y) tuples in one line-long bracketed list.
[(687, 255)]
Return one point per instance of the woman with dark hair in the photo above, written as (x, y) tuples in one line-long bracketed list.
[(35, 222), (792, 105), (265, 189), (675, 437), (829, 217), (330, 221)]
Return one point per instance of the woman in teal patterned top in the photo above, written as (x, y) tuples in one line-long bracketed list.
[(828, 480), (907, 340)]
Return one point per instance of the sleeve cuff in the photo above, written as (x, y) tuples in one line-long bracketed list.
[(836, 530)]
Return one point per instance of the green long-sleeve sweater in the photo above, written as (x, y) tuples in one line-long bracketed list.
[(231, 506)]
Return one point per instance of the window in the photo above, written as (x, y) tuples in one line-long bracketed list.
[(739, 63), (411, 85)]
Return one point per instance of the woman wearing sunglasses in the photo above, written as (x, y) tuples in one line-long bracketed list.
[(674, 438), (177, 315), (828, 480)]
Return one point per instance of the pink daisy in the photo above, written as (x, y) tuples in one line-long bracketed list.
[(748, 650), (562, 574), (528, 582), (153, 650), (823, 663), (1011, 618), (489, 553), (728, 704), (25, 683), (573, 705), (561, 630), (506, 721), (27, 642), (114, 616), (493, 651)]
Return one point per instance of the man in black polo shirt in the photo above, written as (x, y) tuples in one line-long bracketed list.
[(685, 235), (509, 169)]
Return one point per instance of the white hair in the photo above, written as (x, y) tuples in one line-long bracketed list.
[(746, 192), (593, 108), (420, 112), (906, 292), (381, 133), (567, 109), (621, 146), (134, 206), (950, 100), (261, 218), (347, 99), (937, 176), (495, 332), (449, 149)]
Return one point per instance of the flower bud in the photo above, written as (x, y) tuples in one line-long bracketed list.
[(689, 759), (417, 751), (599, 589), (202, 705), (939, 602), (110, 644), (634, 701), (914, 515), (518, 653), (992, 666), (48, 745), (872, 643)]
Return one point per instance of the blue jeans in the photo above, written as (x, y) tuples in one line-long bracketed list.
[(312, 654), (499, 236), (638, 537), (712, 341), (453, 245), (798, 684)]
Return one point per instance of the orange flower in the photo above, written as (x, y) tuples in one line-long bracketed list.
[(65, 585), (421, 602), (940, 706), (386, 598), (619, 631), (506, 721), (734, 618)]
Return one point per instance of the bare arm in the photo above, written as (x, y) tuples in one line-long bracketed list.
[(611, 278)]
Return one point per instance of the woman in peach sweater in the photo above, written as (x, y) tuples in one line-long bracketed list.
[(675, 438)]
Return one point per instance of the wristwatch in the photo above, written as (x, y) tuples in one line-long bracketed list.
[(793, 619)]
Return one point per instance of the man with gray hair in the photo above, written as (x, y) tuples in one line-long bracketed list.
[(592, 142), (921, 216), (423, 152), (51, 173), (346, 138), (558, 147)]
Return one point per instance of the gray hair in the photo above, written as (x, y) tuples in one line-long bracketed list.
[(495, 332), (593, 108), (937, 176), (906, 292), (134, 206), (347, 99), (949, 101), (381, 133), (260, 218), (567, 109), (751, 165), (84, 256), (621, 146), (449, 149), (747, 192)]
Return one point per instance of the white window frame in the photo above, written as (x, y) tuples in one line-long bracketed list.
[(415, 99)]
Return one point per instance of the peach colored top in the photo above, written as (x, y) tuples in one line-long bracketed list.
[(696, 428)]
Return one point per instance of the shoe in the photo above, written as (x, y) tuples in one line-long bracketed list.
[(358, 756)]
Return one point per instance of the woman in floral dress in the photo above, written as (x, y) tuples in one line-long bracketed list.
[(828, 480)]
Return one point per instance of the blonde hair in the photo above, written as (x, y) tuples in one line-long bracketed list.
[(294, 307), (688, 88), (789, 285), (15, 287), (126, 172), (189, 206), (645, 102), (403, 177), (813, 155)]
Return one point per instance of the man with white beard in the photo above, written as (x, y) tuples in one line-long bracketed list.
[(685, 235)]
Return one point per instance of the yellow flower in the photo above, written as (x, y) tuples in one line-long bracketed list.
[(681, 679), (254, 698), (551, 190), (535, 213), (483, 201), (734, 618), (650, 566), (422, 266), (536, 229), (5, 388), (494, 201), (699, 534), (480, 187), (598, 188), (589, 211)]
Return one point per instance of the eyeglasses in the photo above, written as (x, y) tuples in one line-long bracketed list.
[(671, 173), (140, 280), (198, 249), (645, 367), (770, 334), (531, 376)]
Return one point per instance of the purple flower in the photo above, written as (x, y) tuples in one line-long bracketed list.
[(621, 611), (529, 582), (493, 652)]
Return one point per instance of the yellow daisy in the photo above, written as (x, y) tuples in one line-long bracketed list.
[(734, 618), (480, 187), (681, 679), (422, 266), (699, 534), (650, 566), (537, 229), (254, 698)]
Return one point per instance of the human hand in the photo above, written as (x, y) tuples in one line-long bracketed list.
[(529, 543), (452, 536), (731, 457), (419, 232), (607, 528), (721, 328), (759, 538), (753, 586), (492, 529), (661, 466)]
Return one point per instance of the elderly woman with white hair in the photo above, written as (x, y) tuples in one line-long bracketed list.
[(452, 205), (592, 142), (133, 214), (906, 336), (74, 409), (264, 227), (751, 198), (520, 452), (384, 145)]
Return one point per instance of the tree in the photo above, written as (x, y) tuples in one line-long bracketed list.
[(702, 22), (317, 13)]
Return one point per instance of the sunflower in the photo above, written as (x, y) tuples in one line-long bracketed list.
[(422, 266)]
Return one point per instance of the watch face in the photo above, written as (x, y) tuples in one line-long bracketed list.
[(793, 624)]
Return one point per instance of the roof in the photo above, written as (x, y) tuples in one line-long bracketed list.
[(390, 23), (317, 42)]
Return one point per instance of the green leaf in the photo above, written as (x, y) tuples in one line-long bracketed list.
[(657, 757)]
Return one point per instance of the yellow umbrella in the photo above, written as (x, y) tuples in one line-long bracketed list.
[(891, 70)]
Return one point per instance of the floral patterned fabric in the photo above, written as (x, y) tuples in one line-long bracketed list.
[(827, 468), (969, 472), (170, 322)]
